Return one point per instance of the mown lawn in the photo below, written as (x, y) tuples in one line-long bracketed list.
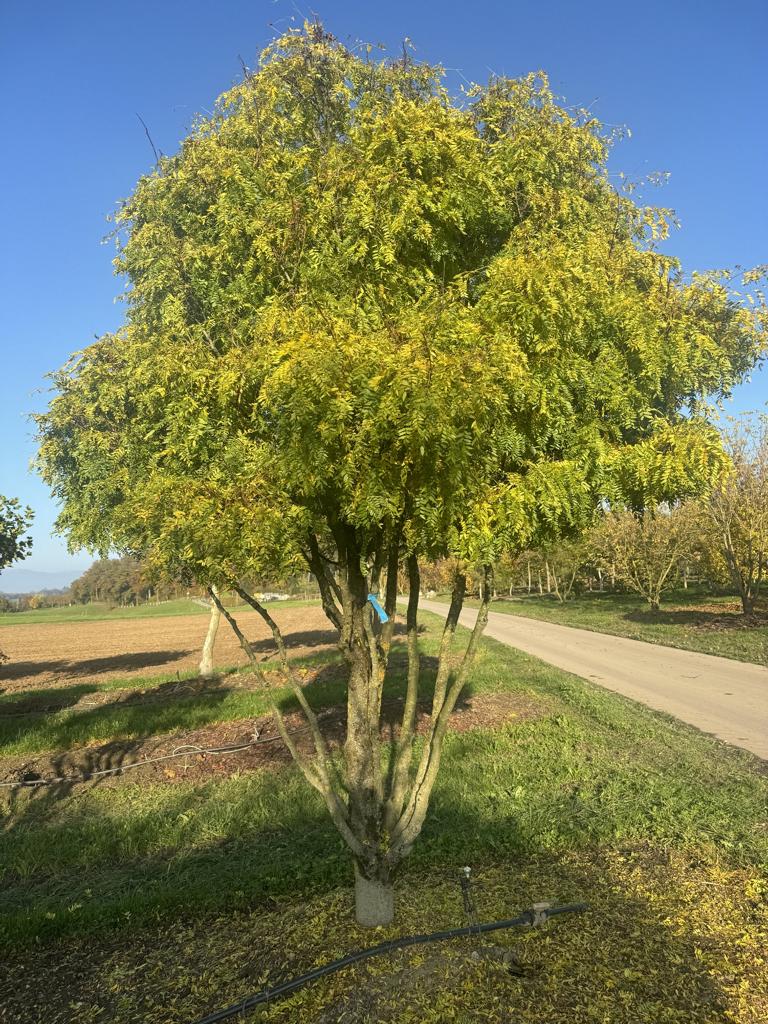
[(687, 619), (157, 901), (99, 610)]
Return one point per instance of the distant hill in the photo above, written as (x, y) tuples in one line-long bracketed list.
[(17, 581)]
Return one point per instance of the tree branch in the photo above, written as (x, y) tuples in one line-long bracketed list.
[(446, 641), (146, 132), (330, 592), (408, 827), (404, 747), (321, 748), (390, 596), (315, 774)]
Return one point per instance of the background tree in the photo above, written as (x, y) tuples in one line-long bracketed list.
[(114, 581), (563, 562), (437, 575), (735, 514), (368, 325), (508, 571), (646, 549), (15, 520)]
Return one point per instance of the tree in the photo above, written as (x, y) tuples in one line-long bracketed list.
[(647, 548), (368, 325), (563, 562), (113, 580), (735, 514), (206, 667), (15, 520), (438, 575)]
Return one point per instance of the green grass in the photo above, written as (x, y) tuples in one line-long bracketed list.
[(98, 611), (148, 708), (592, 797), (679, 623)]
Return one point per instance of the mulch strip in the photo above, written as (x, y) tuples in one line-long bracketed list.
[(478, 711)]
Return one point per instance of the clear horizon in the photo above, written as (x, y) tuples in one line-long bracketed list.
[(688, 81)]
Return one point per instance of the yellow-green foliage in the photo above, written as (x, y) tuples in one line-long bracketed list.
[(353, 299)]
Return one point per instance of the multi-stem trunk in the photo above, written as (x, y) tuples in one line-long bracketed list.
[(379, 794), (387, 809), (388, 786)]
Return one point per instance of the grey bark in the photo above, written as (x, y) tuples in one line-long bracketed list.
[(206, 661)]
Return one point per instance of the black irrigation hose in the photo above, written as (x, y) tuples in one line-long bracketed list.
[(184, 750), (534, 916)]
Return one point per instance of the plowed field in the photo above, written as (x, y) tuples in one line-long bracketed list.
[(60, 654)]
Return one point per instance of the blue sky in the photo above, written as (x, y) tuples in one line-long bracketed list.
[(687, 77)]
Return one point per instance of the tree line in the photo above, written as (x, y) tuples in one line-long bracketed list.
[(130, 580)]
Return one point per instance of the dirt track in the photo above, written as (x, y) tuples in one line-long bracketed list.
[(60, 654)]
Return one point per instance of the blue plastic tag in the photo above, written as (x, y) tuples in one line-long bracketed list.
[(377, 608)]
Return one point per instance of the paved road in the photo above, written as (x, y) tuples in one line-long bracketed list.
[(720, 696)]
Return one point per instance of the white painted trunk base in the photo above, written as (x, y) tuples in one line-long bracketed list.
[(374, 901)]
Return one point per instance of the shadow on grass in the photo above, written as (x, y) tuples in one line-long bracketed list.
[(127, 723), (720, 620), (314, 638), (35, 702), (127, 717), (301, 638), (90, 666)]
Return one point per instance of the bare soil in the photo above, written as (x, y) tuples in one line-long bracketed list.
[(50, 655)]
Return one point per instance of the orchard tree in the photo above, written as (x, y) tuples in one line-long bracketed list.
[(371, 325), (735, 514), (15, 520), (563, 562), (647, 549)]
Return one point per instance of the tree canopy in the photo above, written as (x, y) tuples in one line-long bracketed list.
[(351, 296), (369, 321)]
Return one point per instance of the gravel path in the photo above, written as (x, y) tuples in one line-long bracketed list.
[(726, 698)]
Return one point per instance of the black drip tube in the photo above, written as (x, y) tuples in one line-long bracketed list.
[(538, 914)]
